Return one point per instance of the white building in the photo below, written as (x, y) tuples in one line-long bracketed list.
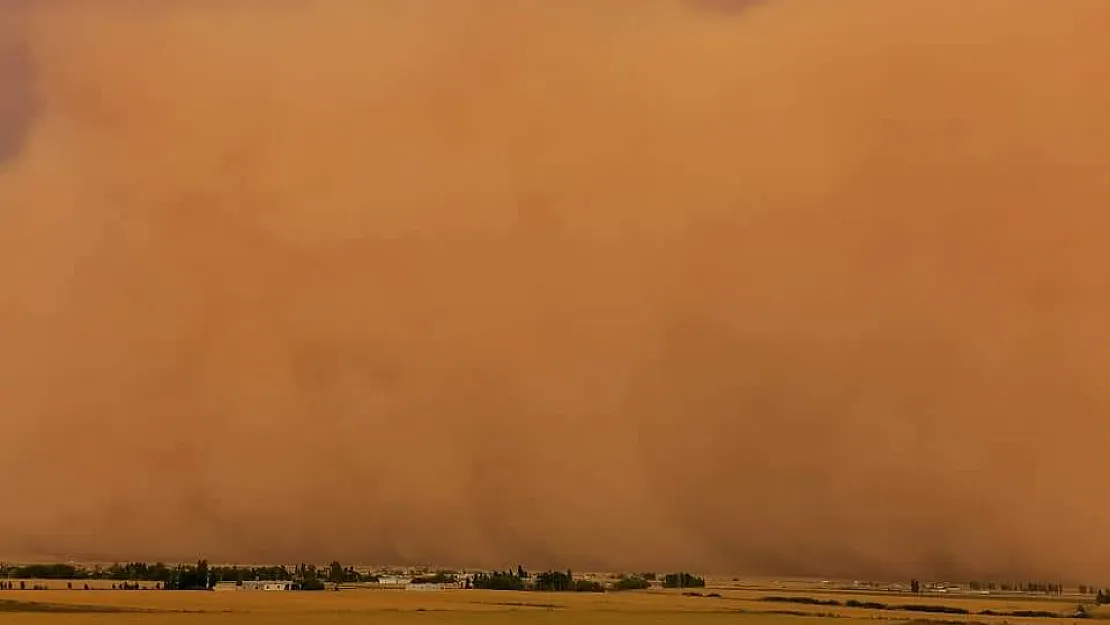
[(394, 581), (430, 586), (253, 585)]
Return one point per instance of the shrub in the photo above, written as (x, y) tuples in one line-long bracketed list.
[(588, 585), (941, 609), (632, 582), (808, 601)]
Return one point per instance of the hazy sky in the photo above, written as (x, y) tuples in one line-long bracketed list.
[(812, 287)]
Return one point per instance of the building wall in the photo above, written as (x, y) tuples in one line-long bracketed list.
[(431, 586), (252, 585)]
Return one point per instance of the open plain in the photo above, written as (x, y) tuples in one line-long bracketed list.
[(719, 603)]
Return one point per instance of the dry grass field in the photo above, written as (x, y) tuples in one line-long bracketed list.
[(472, 607)]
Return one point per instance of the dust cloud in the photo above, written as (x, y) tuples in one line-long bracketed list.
[(768, 288)]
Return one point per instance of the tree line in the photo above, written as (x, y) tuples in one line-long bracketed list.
[(202, 576), (564, 581), (548, 581), (1047, 588), (1102, 595), (168, 577)]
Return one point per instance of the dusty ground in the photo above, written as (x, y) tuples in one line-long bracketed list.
[(356, 606)]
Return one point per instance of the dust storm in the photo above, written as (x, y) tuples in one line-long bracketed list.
[(781, 288)]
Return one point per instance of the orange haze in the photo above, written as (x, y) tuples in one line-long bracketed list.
[(808, 287)]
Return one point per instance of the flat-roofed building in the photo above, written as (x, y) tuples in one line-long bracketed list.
[(254, 585)]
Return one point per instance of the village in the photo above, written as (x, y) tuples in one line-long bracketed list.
[(310, 577), (422, 579), (411, 580)]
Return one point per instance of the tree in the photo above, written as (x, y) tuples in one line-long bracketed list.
[(497, 580), (915, 586), (336, 574), (682, 580), (204, 580), (554, 581), (184, 577), (631, 582)]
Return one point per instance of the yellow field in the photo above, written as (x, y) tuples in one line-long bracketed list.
[(387, 607)]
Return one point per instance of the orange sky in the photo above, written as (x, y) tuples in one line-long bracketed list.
[(816, 287)]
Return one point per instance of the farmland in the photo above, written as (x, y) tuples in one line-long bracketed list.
[(797, 604)]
